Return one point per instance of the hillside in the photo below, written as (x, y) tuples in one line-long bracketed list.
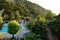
[(15, 9), (35, 9)]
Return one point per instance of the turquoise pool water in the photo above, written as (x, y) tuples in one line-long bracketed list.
[(5, 28)]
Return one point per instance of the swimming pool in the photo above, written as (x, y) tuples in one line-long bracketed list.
[(5, 27), (21, 33)]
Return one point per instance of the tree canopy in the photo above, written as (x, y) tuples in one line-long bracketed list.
[(39, 28), (49, 15), (24, 7), (13, 27), (55, 27)]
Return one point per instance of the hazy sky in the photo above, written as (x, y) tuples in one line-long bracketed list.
[(53, 5)]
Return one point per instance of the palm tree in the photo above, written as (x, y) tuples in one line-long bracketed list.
[(1, 19)]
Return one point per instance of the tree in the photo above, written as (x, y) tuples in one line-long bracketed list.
[(17, 15), (22, 9), (13, 27), (2, 3), (55, 27), (35, 9), (49, 15), (39, 28), (8, 11), (8, 7), (32, 36), (1, 19), (12, 16), (1, 23)]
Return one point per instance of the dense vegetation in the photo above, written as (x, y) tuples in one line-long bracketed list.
[(41, 21), (13, 27), (18, 9), (55, 26), (38, 28)]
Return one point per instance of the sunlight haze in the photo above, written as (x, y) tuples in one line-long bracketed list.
[(52, 5)]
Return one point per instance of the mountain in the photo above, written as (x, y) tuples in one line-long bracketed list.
[(35, 9), (13, 9), (15, 0)]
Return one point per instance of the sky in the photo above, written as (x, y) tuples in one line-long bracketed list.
[(53, 5)]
